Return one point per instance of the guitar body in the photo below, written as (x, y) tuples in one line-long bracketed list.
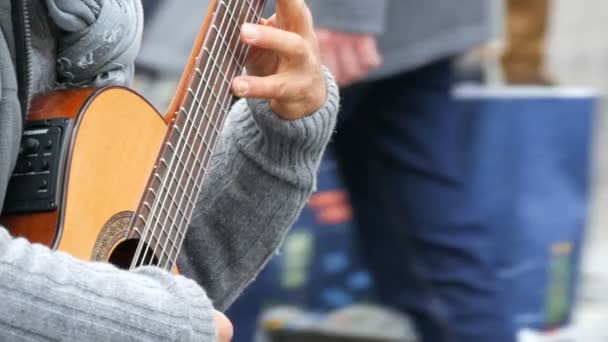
[(104, 177), (111, 151)]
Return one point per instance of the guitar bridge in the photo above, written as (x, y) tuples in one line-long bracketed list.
[(35, 185)]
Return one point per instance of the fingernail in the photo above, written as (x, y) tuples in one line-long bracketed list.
[(241, 87), (250, 32)]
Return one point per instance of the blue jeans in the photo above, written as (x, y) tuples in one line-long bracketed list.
[(403, 151)]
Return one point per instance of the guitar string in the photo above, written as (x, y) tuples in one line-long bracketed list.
[(220, 112), (242, 56), (150, 227), (232, 72), (191, 203), (210, 63), (185, 170), (182, 145)]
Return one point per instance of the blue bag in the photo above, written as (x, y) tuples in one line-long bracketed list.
[(530, 181)]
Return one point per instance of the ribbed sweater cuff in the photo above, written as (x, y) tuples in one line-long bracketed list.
[(291, 144)]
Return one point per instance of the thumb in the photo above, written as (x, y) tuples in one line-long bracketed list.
[(223, 327)]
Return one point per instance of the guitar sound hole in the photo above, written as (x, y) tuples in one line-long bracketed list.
[(123, 255)]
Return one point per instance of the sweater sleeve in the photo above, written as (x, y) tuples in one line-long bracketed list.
[(363, 16), (51, 296), (261, 175)]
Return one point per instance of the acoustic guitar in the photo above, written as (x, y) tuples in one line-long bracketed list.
[(103, 176)]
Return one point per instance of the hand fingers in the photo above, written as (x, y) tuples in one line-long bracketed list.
[(295, 16), (369, 57), (348, 62), (349, 57), (290, 97), (328, 56), (285, 43), (330, 60), (277, 87)]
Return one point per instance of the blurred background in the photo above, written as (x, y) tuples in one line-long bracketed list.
[(475, 208)]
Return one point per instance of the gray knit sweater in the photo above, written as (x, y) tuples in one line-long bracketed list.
[(261, 176)]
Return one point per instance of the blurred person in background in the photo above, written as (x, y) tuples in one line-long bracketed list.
[(524, 57), (401, 148), (150, 7)]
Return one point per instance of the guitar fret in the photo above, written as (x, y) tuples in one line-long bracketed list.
[(215, 130), (147, 205), (231, 15), (152, 191), (200, 106), (235, 59), (154, 241), (182, 187), (186, 170), (189, 204), (218, 37), (169, 145), (189, 153), (162, 160), (224, 110), (198, 133), (236, 24), (195, 161), (214, 64), (143, 219), (165, 231), (211, 92), (177, 128), (169, 215), (213, 126)]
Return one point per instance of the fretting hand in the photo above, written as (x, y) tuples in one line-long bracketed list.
[(284, 64)]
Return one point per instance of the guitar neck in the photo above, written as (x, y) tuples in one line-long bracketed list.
[(196, 119)]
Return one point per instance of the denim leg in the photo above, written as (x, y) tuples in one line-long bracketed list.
[(403, 151)]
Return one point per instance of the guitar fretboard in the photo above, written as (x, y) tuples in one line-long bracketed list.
[(167, 205)]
